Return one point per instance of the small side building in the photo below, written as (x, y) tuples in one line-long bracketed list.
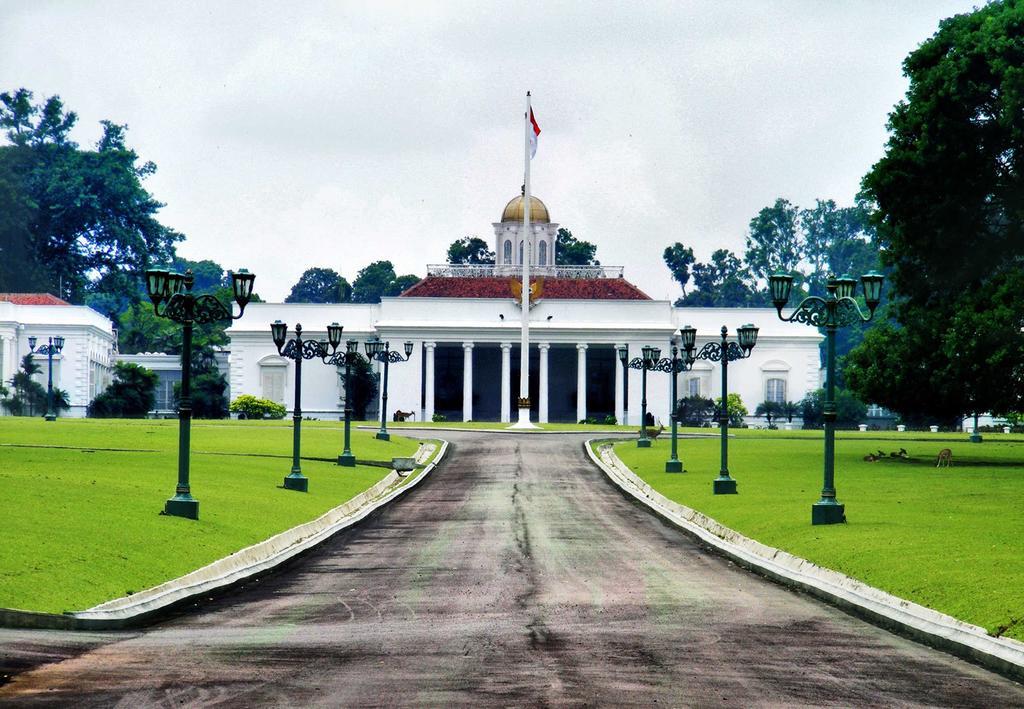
[(83, 368)]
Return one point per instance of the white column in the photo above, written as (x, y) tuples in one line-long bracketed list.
[(620, 385), (428, 408), (542, 405), (506, 380), (581, 381), (467, 381)]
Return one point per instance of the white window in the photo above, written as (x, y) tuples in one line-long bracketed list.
[(508, 251), (775, 390), (693, 386), (542, 253), (272, 376)]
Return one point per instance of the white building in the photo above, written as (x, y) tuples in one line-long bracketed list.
[(82, 368), (464, 323)]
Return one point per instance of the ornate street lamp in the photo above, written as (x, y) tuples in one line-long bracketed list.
[(647, 362), (674, 366), (174, 292), (382, 352), (54, 346), (298, 349), (349, 357), (837, 309), (723, 352)]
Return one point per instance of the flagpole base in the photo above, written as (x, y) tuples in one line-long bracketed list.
[(524, 416)]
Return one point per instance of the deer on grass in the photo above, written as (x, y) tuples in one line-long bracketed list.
[(944, 459)]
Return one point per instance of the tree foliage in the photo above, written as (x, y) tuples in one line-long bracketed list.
[(320, 285), (950, 199), (28, 397), (132, 394), (470, 249), (850, 410), (364, 386), (378, 280), (570, 251), (694, 411), (734, 407), (809, 243), (81, 217)]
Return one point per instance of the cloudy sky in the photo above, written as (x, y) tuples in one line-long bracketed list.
[(291, 135)]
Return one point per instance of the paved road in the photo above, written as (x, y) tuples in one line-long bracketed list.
[(516, 575)]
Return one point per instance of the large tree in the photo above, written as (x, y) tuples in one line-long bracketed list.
[(950, 198), (379, 280), (570, 251), (470, 249), (723, 282), (679, 259), (84, 214), (320, 285)]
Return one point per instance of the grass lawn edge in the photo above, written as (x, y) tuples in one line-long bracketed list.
[(920, 623), (238, 567)]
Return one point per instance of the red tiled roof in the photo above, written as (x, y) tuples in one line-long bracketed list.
[(498, 287), (32, 299)]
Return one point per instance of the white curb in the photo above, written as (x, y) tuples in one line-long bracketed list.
[(237, 567), (1003, 655)]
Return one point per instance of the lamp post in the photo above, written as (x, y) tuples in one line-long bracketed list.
[(54, 346), (674, 366), (837, 309), (349, 357), (647, 362), (723, 352), (174, 292), (298, 349), (382, 352)]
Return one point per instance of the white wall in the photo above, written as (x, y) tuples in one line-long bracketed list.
[(84, 365)]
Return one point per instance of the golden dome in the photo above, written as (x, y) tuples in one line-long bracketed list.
[(514, 211)]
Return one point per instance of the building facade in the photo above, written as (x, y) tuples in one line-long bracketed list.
[(464, 323), (83, 368)]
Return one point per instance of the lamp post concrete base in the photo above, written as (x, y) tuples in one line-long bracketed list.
[(182, 506), (673, 466), (975, 438), (347, 459), (724, 486), (51, 417), (828, 513), (643, 443), (297, 482), (383, 436)]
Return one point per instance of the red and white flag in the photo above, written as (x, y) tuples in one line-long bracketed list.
[(533, 135)]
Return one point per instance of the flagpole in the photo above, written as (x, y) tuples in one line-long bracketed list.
[(524, 348)]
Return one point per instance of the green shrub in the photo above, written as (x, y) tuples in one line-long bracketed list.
[(438, 418), (610, 420), (250, 407), (132, 394)]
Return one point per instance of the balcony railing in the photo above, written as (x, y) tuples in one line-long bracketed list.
[(473, 270)]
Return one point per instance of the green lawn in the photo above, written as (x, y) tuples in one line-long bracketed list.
[(81, 524), (947, 538)]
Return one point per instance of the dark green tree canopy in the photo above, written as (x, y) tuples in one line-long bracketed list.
[(470, 249), (570, 251), (950, 198), (679, 259), (320, 285), (85, 213), (132, 394), (809, 243), (379, 280)]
